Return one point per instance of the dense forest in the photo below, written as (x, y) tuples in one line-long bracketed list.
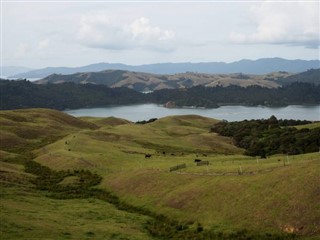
[(310, 76), (24, 94), (270, 136), (296, 93)]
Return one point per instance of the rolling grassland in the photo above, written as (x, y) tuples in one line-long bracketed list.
[(46, 192)]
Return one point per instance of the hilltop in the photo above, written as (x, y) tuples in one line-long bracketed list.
[(110, 178), (310, 76), (28, 129)]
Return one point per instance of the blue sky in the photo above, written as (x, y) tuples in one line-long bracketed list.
[(74, 33)]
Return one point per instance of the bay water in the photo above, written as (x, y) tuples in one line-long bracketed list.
[(230, 113)]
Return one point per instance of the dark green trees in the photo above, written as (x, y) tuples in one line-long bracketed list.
[(270, 136)]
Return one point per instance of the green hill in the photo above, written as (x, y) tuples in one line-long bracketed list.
[(23, 130), (234, 197)]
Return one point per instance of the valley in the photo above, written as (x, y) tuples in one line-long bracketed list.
[(159, 120), (230, 196)]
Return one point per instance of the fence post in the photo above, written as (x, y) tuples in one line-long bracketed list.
[(240, 170)]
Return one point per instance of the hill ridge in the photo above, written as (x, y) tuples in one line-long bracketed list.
[(141, 81), (144, 82)]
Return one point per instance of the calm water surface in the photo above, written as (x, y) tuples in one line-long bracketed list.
[(230, 113)]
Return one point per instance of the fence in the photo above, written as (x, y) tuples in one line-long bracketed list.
[(180, 166)]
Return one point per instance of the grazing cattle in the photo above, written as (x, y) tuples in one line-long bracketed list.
[(147, 155), (164, 153), (197, 160), (203, 163)]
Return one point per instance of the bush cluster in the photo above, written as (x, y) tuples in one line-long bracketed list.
[(270, 136), (149, 121)]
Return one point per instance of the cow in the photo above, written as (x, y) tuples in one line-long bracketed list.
[(197, 160), (203, 163), (147, 155)]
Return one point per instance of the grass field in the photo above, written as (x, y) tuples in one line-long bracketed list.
[(275, 195), (28, 214)]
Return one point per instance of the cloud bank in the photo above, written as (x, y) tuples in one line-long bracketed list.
[(99, 31), (295, 24)]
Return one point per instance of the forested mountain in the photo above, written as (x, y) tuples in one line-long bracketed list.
[(296, 93), (24, 94), (260, 66), (310, 76)]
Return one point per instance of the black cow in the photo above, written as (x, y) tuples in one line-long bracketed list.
[(147, 155), (197, 160)]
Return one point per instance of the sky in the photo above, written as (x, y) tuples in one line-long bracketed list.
[(39, 34)]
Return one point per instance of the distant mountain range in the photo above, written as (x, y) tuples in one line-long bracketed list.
[(13, 70), (144, 82), (260, 66)]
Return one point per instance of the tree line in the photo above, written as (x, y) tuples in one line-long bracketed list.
[(270, 136), (25, 94)]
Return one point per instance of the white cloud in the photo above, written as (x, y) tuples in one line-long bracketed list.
[(99, 31), (43, 44), (295, 24), (21, 51)]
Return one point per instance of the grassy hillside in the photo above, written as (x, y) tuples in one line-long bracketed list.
[(141, 81), (27, 213), (109, 121), (271, 200), (29, 129), (310, 126), (234, 192)]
